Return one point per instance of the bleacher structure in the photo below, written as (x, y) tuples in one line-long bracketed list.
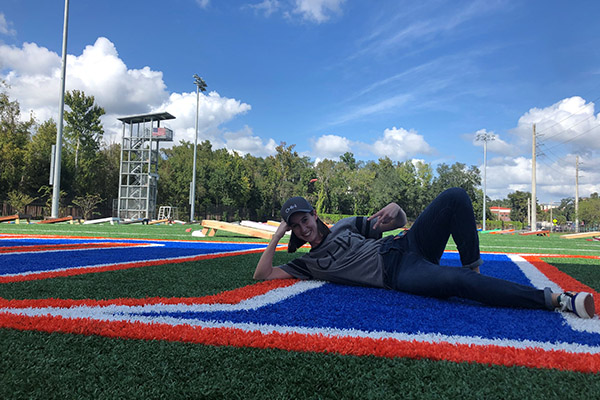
[(141, 137)]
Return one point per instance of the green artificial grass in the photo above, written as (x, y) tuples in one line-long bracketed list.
[(583, 269), (60, 366), (161, 231), (191, 279), (37, 365)]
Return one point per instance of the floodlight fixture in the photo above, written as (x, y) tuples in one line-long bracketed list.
[(200, 87), (484, 137)]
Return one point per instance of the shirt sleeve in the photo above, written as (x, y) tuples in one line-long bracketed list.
[(297, 268), (360, 225)]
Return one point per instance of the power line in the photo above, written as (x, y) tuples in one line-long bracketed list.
[(572, 114), (569, 128), (574, 137)]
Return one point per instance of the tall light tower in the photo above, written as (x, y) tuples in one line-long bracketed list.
[(55, 173), (485, 137), (200, 87)]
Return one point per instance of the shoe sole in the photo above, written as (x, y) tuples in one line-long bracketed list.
[(584, 304)]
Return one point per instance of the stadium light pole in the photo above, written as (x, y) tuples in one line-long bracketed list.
[(200, 87), (58, 149), (485, 137)]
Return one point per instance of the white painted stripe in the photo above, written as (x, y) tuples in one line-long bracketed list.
[(575, 348), (540, 281), (18, 253), (42, 271), (99, 312)]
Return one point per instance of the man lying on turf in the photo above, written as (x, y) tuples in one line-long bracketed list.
[(353, 252)]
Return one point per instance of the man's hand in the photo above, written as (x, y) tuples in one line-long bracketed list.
[(389, 217)]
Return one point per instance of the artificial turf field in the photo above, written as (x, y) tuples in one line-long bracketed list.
[(36, 364)]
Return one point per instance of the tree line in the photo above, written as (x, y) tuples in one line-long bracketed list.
[(229, 186)]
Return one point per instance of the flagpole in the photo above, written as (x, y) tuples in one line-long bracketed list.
[(59, 131)]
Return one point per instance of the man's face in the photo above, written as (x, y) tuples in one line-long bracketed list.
[(304, 226)]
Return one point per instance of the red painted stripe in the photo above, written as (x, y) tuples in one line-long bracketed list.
[(34, 236), (563, 280), (117, 267), (63, 247), (228, 297), (483, 354)]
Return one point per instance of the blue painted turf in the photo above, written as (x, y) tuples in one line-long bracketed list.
[(369, 309), (15, 263)]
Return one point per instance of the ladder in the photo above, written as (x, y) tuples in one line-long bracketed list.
[(164, 212)]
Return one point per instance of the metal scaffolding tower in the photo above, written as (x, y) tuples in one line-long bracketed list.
[(139, 164)]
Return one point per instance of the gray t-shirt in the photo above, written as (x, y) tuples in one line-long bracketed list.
[(348, 255)]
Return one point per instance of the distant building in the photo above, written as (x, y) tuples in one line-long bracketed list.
[(502, 213)]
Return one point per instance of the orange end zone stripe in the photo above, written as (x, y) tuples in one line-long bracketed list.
[(566, 282), (228, 297), (357, 346)]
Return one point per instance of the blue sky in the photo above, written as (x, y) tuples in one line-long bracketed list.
[(402, 79)]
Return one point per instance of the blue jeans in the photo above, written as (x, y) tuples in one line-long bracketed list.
[(411, 259)]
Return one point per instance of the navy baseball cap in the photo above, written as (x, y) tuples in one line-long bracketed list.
[(294, 205)]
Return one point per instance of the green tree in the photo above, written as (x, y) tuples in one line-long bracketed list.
[(108, 177), (327, 201), (37, 157), (518, 206), (386, 186), (589, 210), (459, 175), (19, 201), (83, 139), (87, 204), (361, 182), (285, 176), (567, 208), (14, 138), (46, 194), (175, 171), (424, 181)]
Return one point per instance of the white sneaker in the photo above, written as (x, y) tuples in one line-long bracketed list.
[(580, 303)]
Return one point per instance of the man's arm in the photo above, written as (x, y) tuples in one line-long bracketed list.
[(389, 218), (264, 268)]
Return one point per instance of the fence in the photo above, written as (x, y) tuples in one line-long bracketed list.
[(40, 211)]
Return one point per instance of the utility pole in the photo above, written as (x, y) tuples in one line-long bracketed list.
[(61, 108), (533, 194), (577, 194), (485, 137), (529, 211), (200, 87), (551, 219)]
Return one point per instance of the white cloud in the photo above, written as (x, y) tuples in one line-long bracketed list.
[(330, 146), (29, 60), (494, 145), (568, 124), (318, 10), (566, 129), (203, 3), (5, 26), (554, 181), (400, 144), (33, 74), (381, 106), (98, 71), (244, 142), (267, 7)]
